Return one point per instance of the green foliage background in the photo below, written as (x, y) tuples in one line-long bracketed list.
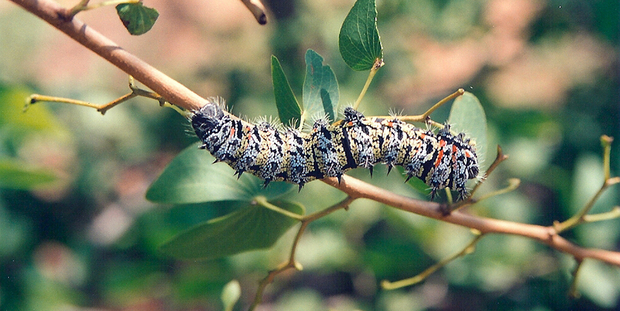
[(76, 229)]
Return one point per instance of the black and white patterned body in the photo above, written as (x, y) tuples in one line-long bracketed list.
[(440, 160)]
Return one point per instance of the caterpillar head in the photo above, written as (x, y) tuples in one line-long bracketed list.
[(466, 166), (207, 119)]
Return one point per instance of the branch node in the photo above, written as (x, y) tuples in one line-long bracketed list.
[(445, 209), (298, 266)]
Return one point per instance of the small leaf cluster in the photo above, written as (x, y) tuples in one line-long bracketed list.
[(192, 178), (137, 18)]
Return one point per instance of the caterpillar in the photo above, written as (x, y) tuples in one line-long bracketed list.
[(439, 159)]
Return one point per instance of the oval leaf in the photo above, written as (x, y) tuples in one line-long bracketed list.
[(17, 121), (137, 18), (192, 177), (321, 94), (17, 175), (360, 45), (159, 225), (467, 116), (251, 228), (289, 110)]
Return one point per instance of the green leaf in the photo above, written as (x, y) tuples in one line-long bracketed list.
[(15, 124), (360, 45), (289, 110), (159, 225), (192, 177), (251, 228), (17, 175), (467, 116), (231, 294), (137, 18), (321, 92)]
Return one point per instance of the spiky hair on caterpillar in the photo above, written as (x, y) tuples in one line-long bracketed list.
[(329, 150)]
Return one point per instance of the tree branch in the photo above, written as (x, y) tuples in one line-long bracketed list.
[(356, 188), (176, 93), (257, 9), (57, 16)]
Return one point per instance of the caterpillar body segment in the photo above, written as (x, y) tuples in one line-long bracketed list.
[(439, 159)]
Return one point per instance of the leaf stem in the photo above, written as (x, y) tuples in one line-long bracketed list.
[(572, 291), (513, 184), (425, 116), (262, 201), (452, 96), (135, 91), (35, 98), (613, 214), (579, 217), (291, 263), (83, 6), (606, 142), (373, 71), (385, 284)]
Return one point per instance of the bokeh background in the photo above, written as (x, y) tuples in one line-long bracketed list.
[(546, 73)]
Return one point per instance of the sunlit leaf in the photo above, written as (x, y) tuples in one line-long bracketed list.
[(137, 18), (231, 294), (251, 228), (599, 282), (192, 177), (467, 116), (321, 93), (18, 175), (360, 45), (289, 110), (15, 123)]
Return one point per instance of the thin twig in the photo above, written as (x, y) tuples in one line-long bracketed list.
[(613, 214), (103, 108), (257, 9), (468, 249), (425, 117), (513, 184), (547, 235), (173, 91), (572, 291), (179, 95), (606, 142), (579, 217), (291, 263)]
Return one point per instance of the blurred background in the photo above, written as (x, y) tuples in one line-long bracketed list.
[(76, 232)]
